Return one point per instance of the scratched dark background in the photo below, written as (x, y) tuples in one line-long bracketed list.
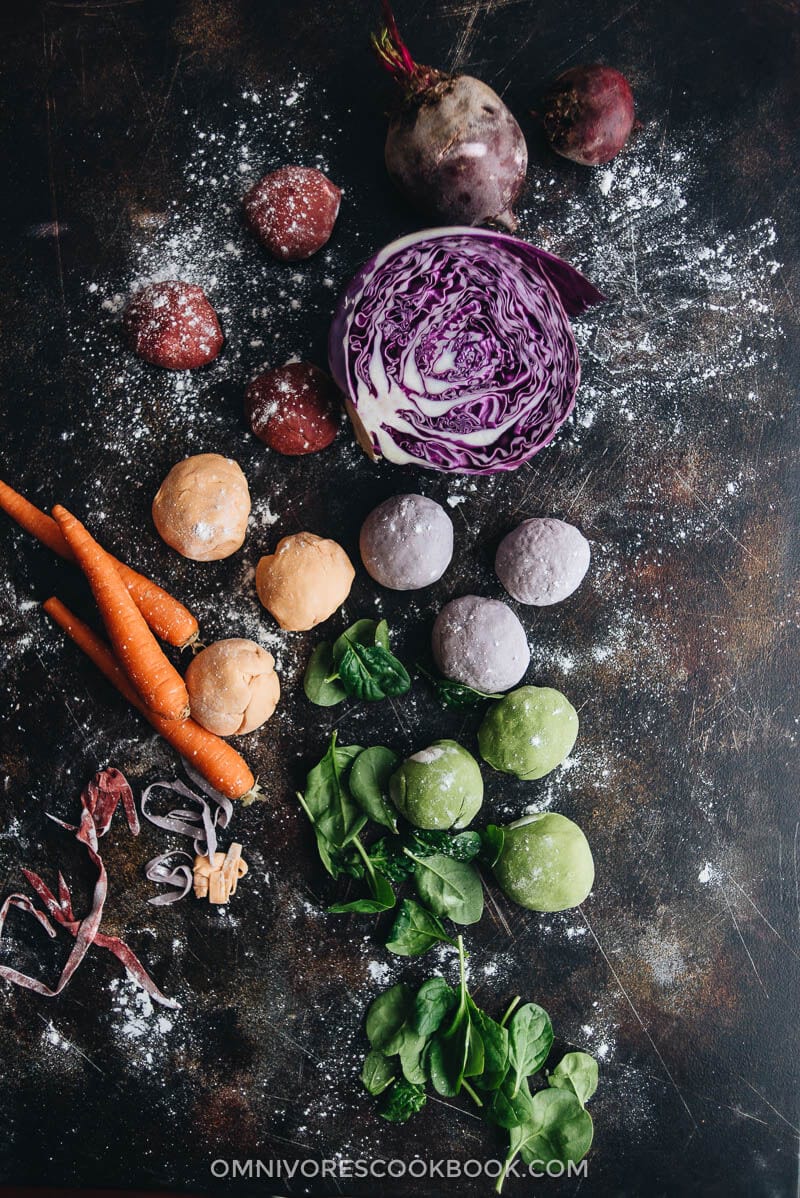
[(684, 962)]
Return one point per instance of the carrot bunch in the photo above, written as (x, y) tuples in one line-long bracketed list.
[(133, 609)]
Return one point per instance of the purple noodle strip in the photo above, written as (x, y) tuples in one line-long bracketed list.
[(163, 873), (200, 825)]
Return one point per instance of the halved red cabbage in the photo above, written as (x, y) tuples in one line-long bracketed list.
[(454, 350)]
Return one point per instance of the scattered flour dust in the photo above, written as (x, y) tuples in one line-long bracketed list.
[(137, 1021)]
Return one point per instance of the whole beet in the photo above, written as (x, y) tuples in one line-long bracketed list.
[(588, 114), (453, 148)]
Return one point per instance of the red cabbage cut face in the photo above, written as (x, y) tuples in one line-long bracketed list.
[(454, 350)]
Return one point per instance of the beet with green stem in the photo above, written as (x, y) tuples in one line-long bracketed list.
[(588, 114), (453, 148)]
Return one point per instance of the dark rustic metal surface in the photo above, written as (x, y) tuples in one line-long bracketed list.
[(682, 970)]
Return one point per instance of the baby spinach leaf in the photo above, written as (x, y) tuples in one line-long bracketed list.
[(576, 1072), (415, 930), (363, 632), (510, 1110), (495, 1048), (371, 672), (402, 1101), (327, 800), (388, 858), (435, 999), (386, 1017), (452, 889), (378, 1072), (530, 1038), (492, 840), (320, 682), (369, 784), (461, 846), (562, 1129), (382, 634), (382, 899), (455, 695), (412, 1051), (447, 1058)]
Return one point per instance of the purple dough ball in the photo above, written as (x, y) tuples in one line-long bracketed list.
[(407, 542), (542, 561), (481, 643)]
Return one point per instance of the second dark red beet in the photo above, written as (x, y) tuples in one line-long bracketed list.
[(172, 324), (292, 211), (588, 114), (294, 409)]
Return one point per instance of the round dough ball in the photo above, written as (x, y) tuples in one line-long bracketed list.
[(480, 643), (304, 581), (438, 787), (529, 732), (542, 561), (201, 508), (233, 687), (545, 863), (407, 542)]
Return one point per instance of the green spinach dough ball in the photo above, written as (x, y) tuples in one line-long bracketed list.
[(407, 542), (439, 787), (480, 643), (546, 863), (528, 732)]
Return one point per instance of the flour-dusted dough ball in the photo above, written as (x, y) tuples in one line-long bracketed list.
[(304, 581), (481, 643), (201, 508), (542, 561), (233, 687), (545, 863), (528, 732), (407, 542), (439, 787)]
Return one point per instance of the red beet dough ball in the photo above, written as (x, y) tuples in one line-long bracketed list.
[(172, 324), (293, 409), (292, 211)]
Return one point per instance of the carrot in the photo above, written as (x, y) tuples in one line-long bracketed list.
[(154, 677), (216, 760), (168, 618)]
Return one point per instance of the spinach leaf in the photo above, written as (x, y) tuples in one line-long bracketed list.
[(511, 1110), (530, 1038), (415, 930), (461, 846), (402, 1101), (327, 800), (452, 1050), (576, 1072), (447, 1059), (383, 896), (435, 999), (492, 840), (561, 1130), (387, 1016), (378, 1072), (452, 889), (388, 858), (455, 695), (495, 1048), (412, 1051), (363, 632), (369, 784), (371, 672), (319, 681)]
